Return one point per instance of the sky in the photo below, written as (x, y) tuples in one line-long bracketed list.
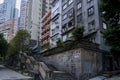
[(1, 1)]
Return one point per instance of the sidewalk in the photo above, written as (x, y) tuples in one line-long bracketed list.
[(105, 78), (8, 74)]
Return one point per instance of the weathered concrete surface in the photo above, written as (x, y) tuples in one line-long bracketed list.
[(44, 71), (7, 74), (81, 63)]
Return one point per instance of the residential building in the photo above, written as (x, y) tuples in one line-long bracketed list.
[(45, 31), (36, 9), (33, 19), (45, 6), (7, 28), (83, 12), (68, 19), (66, 14), (7, 10), (23, 14), (55, 32)]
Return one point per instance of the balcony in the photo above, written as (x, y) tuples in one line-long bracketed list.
[(46, 29), (45, 35), (55, 13)]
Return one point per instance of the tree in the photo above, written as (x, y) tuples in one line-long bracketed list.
[(3, 46), (20, 42), (78, 32), (110, 11)]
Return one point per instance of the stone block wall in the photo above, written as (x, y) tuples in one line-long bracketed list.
[(81, 63)]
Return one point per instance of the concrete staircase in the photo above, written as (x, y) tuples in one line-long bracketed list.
[(44, 71)]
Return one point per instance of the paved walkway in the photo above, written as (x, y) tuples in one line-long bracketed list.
[(8, 74), (104, 78)]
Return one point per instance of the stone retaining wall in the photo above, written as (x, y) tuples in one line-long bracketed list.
[(81, 63)]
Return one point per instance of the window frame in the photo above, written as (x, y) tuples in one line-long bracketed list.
[(65, 17), (64, 6), (89, 11), (80, 6), (70, 2)]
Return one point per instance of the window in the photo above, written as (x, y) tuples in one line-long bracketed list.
[(89, 1), (92, 39), (79, 5), (65, 6), (64, 28), (70, 12), (104, 25), (91, 25), (91, 11), (70, 1), (70, 35), (79, 18), (53, 31), (64, 16), (64, 38), (71, 23), (64, 0)]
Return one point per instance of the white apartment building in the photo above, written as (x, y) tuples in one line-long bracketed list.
[(33, 18), (55, 32), (23, 14)]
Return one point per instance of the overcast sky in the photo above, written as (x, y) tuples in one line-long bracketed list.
[(1, 1)]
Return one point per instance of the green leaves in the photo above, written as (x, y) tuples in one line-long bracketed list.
[(111, 14), (20, 42), (3, 45), (78, 32)]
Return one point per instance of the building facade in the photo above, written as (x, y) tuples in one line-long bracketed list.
[(45, 31), (68, 19), (7, 28), (33, 18), (66, 14), (55, 32), (85, 13), (36, 9), (7, 10), (23, 12)]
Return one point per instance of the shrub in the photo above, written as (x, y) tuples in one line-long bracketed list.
[(78, 32)]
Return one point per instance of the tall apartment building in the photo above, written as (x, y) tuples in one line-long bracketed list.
[(84, 12), (7, 10), (7, 28), (55, 32), (23, 14), (73, 12), (45, 6), (8, 13), (33, 18), (45, 31), (68, 18)]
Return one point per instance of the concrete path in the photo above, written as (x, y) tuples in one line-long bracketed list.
[(8, 74), (104, 78)]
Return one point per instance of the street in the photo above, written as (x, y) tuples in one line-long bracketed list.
[(7, 74)]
